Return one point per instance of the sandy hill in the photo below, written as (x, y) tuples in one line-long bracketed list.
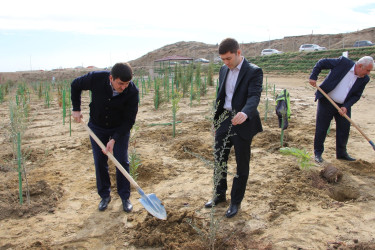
[(287, 44), (195, 50)]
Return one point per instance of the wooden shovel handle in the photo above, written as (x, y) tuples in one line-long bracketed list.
[(347, 117), (110, 156)]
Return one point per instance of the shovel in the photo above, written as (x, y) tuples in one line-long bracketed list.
[(347, 117), (150, 202)]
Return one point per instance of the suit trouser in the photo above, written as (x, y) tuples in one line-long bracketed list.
[(120, 152), (223, 144), (325, 112)]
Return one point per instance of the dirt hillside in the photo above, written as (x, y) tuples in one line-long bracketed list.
[(287, 44), (195, 50)]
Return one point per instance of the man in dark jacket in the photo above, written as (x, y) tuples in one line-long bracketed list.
[(240, 88), (113, 110), (344, 84)]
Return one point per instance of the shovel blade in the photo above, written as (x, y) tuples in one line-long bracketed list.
[(153, 205)]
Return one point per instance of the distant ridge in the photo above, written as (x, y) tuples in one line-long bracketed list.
[(195, 49)]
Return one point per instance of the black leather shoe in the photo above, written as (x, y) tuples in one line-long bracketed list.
[(104, 203), (346, 157), (127, 206), (232, 210), (214, 202), (318, 159)]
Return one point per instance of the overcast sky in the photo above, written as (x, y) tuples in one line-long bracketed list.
[(51, 34)]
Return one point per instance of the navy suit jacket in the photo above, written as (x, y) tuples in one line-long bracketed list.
[(339, 67), (107, 111), (246, 97)]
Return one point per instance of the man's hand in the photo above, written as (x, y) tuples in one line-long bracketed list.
[(110, 146), (343, 111), (77, 115), (239, 118), (312, 82)]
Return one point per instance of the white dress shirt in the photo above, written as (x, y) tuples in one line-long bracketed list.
[(339, 93), (230, 84)]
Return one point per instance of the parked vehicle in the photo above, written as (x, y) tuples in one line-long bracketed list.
[(218, 60), (311, 47), (267, 52), (363, 43), (202, 60)]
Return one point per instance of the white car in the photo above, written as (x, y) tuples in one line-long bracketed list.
[(267, 52), (218, 60), (202, 60), (363, 43), (311, 47)]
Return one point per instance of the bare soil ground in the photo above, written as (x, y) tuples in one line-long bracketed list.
[(284, 207)]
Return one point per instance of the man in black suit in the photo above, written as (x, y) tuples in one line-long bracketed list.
[(344, 84), (113, 110), (240, 87)]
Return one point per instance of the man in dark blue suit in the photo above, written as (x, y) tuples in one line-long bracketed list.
[(240, 88), (113, 110), (344, 84)]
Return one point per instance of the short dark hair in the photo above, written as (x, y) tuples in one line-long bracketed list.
[(228, 45), (122, 71)]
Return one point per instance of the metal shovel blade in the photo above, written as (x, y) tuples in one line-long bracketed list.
[(153, 205)]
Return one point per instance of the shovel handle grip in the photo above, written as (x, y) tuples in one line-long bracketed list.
[(347, 117), (110, 156)]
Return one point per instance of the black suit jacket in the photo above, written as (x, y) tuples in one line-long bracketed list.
[(107, 111), (246, 97), (339, 67)]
